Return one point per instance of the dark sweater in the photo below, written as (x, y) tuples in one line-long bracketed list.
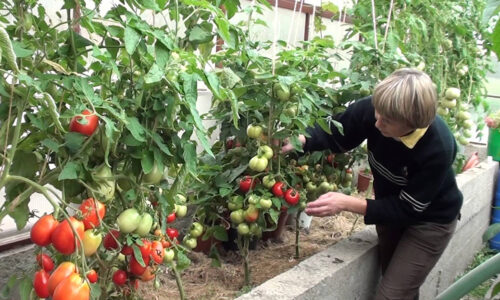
[(411, 185)]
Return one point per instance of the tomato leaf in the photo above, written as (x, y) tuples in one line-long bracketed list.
[(182, 261), (138, 254), (7, 289), (155, 74), (491, 231), (147, 162), (95, 291), (220, 233), (74, 141), (190, 158), (21, 214), (136, 129), (132, 39), (25, 287), (70, 171), (495, 37), (51, 144)]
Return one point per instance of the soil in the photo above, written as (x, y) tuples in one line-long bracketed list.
[(201, 280)]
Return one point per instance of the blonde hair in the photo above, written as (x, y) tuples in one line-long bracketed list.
[(408, 96)]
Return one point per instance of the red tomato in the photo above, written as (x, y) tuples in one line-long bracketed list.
[(92, 211), (292, 197), (89, 127), (110, 240), (149, 274), (63, 271), (165, 243), (63, 238), (120, 277), (171, 217), (172, 233), (127, 250), (157, 252), (42, 230), (278, 189), (73, 287), (145, 248), (247, 183), (136, 268), (92, 276), (41, 284), (45, 262)]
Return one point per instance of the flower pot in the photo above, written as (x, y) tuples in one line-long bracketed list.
[(276, 234), (205, 245), (494, 143), (364, 181)]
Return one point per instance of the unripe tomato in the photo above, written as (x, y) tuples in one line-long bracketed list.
[(154, 176), (268, 181), (237, 216), (149, 274), (120, 277), (190, 242), (196, 229), (255, 230), (87, 126), (168, 255), (266, 151), (91, 242), (265, 203), (281, 91), (254, 132), (45, 262), (180, 210), (63, 271), (243, 229), (42, 230), (41, 284), (92, 276), (452, 93), (145, 225), (258, 164), (63, 238), (110, 240), (251, 214), (93, 212), (129, 220)]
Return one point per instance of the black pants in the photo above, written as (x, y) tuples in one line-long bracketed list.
[(407, 255)]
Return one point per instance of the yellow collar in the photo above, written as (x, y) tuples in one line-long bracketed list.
[(411, 139)]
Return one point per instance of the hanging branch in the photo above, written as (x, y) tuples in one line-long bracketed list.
[(374, 24), (388, 25)]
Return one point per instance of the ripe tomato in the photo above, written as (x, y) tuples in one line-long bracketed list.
[(171, 217), (278, 189), (172, 233), (92, 276), (145, 248), (292, 197), (166, 244), (63, 271), (91, 121), (41, 284), (136, 268), (91, 242), (157, 252), (149, 274), (45, 262), (73, 287), (93, 212), (120, 277), (110, 240), (63, 238), (42, 230), (246, 183), (127, 250)]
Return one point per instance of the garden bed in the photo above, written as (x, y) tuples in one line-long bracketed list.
[(204, 281)]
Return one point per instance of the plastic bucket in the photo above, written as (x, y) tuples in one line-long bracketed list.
[(494, 144)]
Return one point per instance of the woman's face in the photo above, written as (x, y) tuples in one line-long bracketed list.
[(391, 128)]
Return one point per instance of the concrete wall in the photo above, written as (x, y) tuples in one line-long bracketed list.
[(348, 269)]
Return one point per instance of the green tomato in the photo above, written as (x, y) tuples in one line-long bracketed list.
[(452, 93), (129, 220), (265, 151), (254, 132), (28, 21), (253, 199), (190, 242), (442, 111), (168, 255), (180, 198), (121, 257), (232, 206), (449, 103), (291, 111), (180, 210), (154, 176), (268, 181), (145, 225), (255, 230), (311, 187), (258, 164), (265, 203), (463, 115), (243, 229), (196, 229), (281, 92), (237, 216)]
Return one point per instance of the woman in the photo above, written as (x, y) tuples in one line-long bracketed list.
[(410, 152)]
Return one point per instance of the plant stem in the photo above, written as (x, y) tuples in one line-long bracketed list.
[(178, 280), (297, 235), (245, 260)]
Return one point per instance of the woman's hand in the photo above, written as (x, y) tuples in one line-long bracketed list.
[(287, 147), (332, 203)]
